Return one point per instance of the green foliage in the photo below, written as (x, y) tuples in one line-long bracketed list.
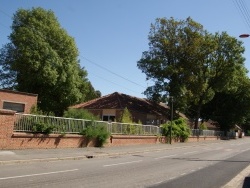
[(191, 64), (99, 133), (230, 108), (44, 128), (248, 133), (180, 129), (91, 93), (79, 114), (36, 111), (131, 129), (42, 58), (126, 116), (203, 126)]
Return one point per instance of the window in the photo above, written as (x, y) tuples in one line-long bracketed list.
[(19, 107), (108, 118)]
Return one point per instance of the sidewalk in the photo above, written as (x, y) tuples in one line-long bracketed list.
[(29, 155), (39, 155)]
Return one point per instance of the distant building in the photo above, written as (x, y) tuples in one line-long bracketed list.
[(111, 107), (17, 101)]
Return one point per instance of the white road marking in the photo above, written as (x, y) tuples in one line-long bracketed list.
[(172, 178), (228, 149), (190, 152), (165, 156), (7, 153), (30, 175), (122, 163), (244, 150), (159, 182)]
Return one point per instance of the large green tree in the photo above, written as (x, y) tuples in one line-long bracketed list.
[(230, 108), (189, 63), (91, 93), (42, 58)]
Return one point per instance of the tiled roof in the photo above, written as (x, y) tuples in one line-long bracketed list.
[(120, 101)]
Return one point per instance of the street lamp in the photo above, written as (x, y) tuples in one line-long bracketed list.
[(244, 35), (171, 100)]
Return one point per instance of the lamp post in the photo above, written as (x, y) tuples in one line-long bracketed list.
[(171, 100)]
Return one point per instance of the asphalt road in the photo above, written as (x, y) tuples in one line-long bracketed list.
[(211, 165)]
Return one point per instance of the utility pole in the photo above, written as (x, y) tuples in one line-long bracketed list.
[(171, 123)]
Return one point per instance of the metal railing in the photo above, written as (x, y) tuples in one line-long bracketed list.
[(26, 123), (199, 132), (133, 129)]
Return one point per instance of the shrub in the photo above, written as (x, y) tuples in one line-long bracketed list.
[(180, 129), (43, 128), (126, 116), (203, 126), (79, 114), (99, 133), (35, 110)]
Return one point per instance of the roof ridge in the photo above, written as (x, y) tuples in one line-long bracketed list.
[(91, 101)]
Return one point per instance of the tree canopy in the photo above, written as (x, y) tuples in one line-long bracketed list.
[(187, 62), (42, 58), (229, 108)]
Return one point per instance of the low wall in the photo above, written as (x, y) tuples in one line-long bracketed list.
[(17, 140), (122, 140), (41, 141), (202, 138)]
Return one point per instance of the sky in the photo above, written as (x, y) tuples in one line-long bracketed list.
[(112, 34)]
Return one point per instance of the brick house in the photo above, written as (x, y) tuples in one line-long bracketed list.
[(111, 107), (17, 101)]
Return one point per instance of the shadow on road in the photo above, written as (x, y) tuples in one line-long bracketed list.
[(246, 183)]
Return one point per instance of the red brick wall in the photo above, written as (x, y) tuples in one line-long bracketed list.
[(10, 140), (18, 97), (202, 138), (122, 140), (6, 127), (41, 141)]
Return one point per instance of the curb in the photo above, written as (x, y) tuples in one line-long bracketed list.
[(237, 181)]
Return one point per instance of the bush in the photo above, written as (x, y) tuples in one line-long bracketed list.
[(79, 114), (99, 133), (180, 130), (35, 110), (43, 128), (203, 126)]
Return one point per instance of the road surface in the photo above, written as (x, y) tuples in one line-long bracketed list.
[(202, 166)]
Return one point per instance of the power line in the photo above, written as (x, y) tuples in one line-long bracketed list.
[(243, 11), (112, 82), (5, 13), (102, 67), (246, 10)]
